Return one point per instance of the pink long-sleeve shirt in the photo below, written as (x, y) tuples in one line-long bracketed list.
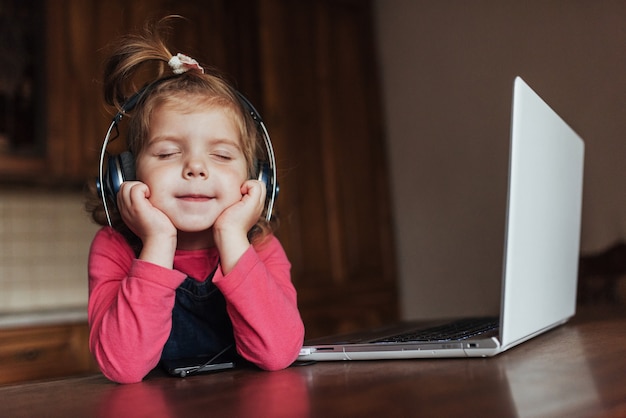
[(131, 302)]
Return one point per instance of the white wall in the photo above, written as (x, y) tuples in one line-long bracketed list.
[(447, 69), (44, 244)]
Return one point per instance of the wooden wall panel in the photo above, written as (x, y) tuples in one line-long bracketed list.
[(218, 33), (321, 103)]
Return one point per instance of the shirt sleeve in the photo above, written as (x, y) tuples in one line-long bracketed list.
[(262, 304), (130, 305)]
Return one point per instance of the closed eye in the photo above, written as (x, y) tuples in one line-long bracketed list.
[(222, 156), (166, 155)]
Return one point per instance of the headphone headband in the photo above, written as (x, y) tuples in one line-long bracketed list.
[(273, 182)]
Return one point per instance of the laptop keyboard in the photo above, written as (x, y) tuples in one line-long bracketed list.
[(452, 331)]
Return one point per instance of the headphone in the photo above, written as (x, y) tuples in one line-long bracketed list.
[(121, 168)]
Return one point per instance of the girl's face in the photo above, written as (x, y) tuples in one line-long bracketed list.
[(193, 165)]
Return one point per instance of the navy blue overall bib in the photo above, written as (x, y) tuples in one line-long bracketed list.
[(200, 324)]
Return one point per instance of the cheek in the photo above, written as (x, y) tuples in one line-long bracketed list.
[(140, 170), (234, 183), (154, 178), (238, 174), (148, 171)]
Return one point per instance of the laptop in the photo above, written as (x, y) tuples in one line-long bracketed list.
[(542, 238)]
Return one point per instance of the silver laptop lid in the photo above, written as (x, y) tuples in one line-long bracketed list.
[(543, 219)]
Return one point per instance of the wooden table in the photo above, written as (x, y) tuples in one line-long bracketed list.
[(578, 369)]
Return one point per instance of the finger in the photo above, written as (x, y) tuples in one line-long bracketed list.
[(255, 189), (132, 196), (138, 192)]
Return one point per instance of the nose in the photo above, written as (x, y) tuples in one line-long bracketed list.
[(195, 168)]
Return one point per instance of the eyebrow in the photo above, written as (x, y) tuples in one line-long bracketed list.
[(226, 141), (174, 138)]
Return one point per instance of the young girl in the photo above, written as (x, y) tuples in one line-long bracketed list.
[(190, 266)]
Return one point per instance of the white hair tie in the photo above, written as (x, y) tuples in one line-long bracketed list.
[(181, 63)]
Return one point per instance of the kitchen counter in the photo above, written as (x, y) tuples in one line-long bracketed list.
[(44, 344)]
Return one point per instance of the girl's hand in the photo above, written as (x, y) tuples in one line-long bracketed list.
[(244, 214), (152, 226), (230, 230)]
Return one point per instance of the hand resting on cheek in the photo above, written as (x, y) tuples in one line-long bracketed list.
[(230, 230), (244, 214), (138, 212), (151, 225)]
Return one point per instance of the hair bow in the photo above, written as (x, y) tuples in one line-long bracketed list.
[(181, 63)]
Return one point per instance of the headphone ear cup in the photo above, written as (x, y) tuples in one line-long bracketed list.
[(120, 168), (127, 166), (265, 175)]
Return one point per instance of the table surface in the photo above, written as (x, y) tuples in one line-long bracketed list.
[(578, 369)]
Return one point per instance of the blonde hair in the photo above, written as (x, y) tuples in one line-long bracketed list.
[(145, 56)]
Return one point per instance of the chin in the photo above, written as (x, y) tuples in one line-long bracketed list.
[(191, 225)]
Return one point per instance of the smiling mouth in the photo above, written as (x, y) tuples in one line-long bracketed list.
[(195, 198)]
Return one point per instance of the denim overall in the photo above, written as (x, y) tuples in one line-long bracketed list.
[(200, 324)]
